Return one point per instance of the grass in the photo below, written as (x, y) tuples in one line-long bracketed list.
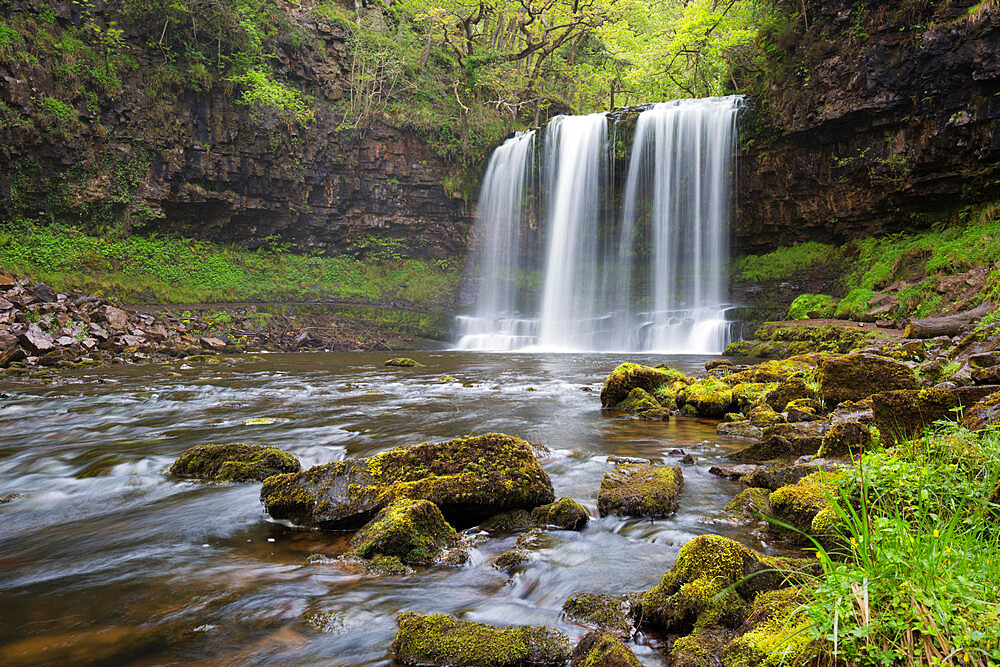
[(784, 263), (915, 579), (162, 269)]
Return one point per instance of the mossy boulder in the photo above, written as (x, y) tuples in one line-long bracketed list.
[(640, 490), (600, 649), (629, 376), (844, 440), (709, 585), (604, 612), (776, 370), (740, 429), (788, 391), (412, 530), (469, 479), (903, 414), (983, 413), (802, 410), (764, 415), (774, 634), (510, 561), (784, 440), (798, 504), (444, 640), (508, 522), (403, 362), (234, 462), (852, 377), (749, 505), (748, 395), (640, 402), (711, 397), (565, 513)]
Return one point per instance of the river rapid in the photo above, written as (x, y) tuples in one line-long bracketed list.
[(104, 559)]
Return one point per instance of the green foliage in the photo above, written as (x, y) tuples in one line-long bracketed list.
[(784, 263), (822, 305), (177, 270), (917, 550), (63, 115), (267, 96), (855, 304)]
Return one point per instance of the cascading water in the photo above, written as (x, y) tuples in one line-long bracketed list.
[(650, 277)]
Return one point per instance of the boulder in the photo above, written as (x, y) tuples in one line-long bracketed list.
[(600, 649), (983, 413), (116, 319), (510, 561), (775, 477), (763, 416), (414, 531), (740, 429), (439, 640), (900, 415), (234, 462), (640, 490), (36, 340), (710, 397), (845, 439), (788, 391), (852, 377), (565, 513), (469, 479), (749, 505), (403, 362), (783, 440), (607, 613), (798, 504), (628, 376), (508, 522)]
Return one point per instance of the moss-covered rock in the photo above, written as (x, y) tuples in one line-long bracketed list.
[(775, 371), (709, 585), (469, 479), (412, 530), (510, 561), (604, 612), (629, 376), (903, 414), (565, 513), (764, 415), (640, 402), (802, 410), (443, 640), (749, 505), (784, 440), (740, 429), (983, 413), (845, 440), (508, 522), (402, 362), (640, 490), (748, 395), (775, 477), (798, 504), (788, 391), (600, 649), (852, 377), (234, 462), (711, 397), (774, 634)]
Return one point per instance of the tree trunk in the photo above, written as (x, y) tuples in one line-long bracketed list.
[(948, 325)]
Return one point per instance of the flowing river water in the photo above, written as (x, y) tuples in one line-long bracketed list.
[(104, 559)]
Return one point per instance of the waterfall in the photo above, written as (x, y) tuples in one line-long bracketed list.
[(650, 275)]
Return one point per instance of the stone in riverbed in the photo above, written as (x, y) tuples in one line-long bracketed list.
[(469, 479), (782, 440), (845, 439), (36, 340), (640, 490), (510, 561), (403, 362), (607, 613), (565, 513), (439, 640), (600, 649), (234, 462), (983, 413), (414, 531), (628, 376)]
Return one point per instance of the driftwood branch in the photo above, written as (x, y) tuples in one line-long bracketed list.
[(948, 325)]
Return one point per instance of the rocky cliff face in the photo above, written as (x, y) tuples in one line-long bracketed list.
[(876, 118), (184, 157)]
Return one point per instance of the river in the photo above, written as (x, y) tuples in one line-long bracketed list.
[(104, 559)]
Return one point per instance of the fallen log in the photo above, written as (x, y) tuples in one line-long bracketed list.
[(947, 325)]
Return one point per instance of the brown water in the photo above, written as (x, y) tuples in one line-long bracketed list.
[(106, 560)]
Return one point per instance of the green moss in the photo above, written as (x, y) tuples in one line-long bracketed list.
[(565, 513), (784, 263), (508, 522), (983, 414), (402, 362), (412, 530), (763, 416), (777, 370), (443, 640), (234, 462), (846, 439), (901, 415), (749, 504), (748, 395), (509, 561), (599, 649), (854, 306), (812, 306), (711, 397), (629, 376), (641, 402), (777, 634), (640, 490), (605, 612), (853, 377), (788, 391), (798, 504)]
